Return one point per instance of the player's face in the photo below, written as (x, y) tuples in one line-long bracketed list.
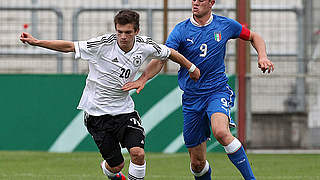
[(201, 8), (125, 36)]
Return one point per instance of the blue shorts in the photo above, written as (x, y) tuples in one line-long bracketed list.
[(197, 111)]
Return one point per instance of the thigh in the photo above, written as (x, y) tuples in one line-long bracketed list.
[(101, 131), (98, 128), (111, 151), (131, 133), (196, 128), (133, 138), (221, 102), (220, 128)]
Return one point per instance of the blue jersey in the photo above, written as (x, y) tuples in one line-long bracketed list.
[(205, 47)]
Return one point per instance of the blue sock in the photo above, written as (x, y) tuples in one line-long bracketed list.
[(205, 174), (240, 160)]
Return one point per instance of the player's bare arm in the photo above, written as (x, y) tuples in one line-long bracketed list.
[(258, 43), (57, 45), (194, 72), (153, 68)]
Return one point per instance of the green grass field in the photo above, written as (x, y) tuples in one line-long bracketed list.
[(25, 165)]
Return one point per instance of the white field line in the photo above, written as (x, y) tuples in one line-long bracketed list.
[(153, 176), (283, 151)]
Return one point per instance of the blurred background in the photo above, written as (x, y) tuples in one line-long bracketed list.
[(283, 108)]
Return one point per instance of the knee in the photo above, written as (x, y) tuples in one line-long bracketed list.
[(117, 168), (137, 155), (221, 135), (197, 165)]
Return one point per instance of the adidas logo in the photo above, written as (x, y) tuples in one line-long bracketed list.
[(115, 60)]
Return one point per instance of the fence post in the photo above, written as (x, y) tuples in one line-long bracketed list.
[(243, 62)]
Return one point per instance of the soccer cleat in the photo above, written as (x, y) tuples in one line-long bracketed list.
[(119, 176)]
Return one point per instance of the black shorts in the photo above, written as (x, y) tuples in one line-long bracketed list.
[(110, 131)]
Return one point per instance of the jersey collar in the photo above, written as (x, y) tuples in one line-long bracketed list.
[(194, 22), (132, 50)]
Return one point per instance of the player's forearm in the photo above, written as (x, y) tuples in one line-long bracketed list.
[(259, 44), (180, 59), (153, 68), (57, 45)]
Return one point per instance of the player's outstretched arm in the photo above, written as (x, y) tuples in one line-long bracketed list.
[(194, 72), (258, 43), (153, 68), (57, 45)]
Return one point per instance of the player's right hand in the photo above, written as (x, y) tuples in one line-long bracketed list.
[(195, 75), (27, 38), (138, 84)]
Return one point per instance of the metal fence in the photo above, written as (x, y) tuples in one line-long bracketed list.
[(291, 29)]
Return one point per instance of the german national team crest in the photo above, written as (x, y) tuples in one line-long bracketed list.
[(137, 61), (217, 36)]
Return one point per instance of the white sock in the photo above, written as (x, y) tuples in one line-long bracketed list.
[(106, 171), (136, 172), (233, 146), (204, 170)]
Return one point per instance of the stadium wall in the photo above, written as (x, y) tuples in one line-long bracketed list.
[(39, 113)]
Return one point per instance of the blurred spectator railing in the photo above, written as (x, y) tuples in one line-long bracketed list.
[(150, 10), (36, 51)]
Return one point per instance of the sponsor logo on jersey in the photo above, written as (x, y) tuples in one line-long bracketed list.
[(137, 60), (115, 59), (217, 36), (190, 40)]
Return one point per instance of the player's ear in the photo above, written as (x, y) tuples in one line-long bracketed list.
[(137, 31), (115, 26), (213, 2)]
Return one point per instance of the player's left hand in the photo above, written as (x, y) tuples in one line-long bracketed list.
[(138, 84), (265, 65), (195, 75)]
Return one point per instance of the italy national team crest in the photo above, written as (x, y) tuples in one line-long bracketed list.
[(217, 36)]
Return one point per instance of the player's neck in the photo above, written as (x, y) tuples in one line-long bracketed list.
[(203, 20), (126, 48)]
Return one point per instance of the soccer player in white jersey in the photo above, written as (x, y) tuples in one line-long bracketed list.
[(114, 60)]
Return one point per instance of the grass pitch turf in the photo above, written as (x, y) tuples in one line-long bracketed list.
[(32, 165)]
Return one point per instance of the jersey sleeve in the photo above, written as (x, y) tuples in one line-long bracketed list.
[(174, 39), (161, 52), (87, 49), (235, 28)]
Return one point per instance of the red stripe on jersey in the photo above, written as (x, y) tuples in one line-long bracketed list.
[(245, 33)]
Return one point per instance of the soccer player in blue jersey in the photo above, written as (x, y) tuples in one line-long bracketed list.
[(207, 102)]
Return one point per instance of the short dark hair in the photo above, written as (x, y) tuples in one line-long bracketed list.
[(127, 16)]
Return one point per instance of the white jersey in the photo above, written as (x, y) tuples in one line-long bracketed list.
[(110, 68)]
